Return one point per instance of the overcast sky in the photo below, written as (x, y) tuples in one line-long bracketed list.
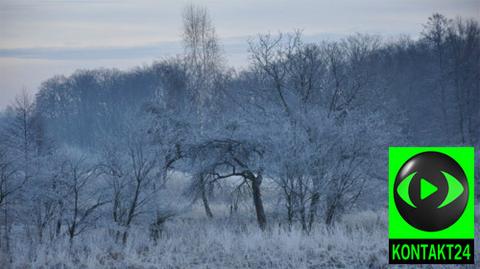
[(39, 39)]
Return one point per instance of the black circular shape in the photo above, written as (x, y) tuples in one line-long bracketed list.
[(427, 216)]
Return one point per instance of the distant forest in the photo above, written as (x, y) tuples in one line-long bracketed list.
[(429, 87)]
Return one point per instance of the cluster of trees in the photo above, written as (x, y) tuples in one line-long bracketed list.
[(313, 120)]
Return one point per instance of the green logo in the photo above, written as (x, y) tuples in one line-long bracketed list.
[(431, 218)]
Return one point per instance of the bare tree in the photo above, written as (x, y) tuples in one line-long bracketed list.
[(315, 91), (130, 164), (7, 173), (22, 134), (20, 142), (204, 62), (202, 51), (8, 187), (82, 199), (219, 159), (295, 76), (463, 41), (435, 32)]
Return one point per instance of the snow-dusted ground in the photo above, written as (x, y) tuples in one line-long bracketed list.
[(358, 241)]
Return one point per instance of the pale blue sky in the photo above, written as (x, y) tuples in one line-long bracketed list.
[(41, 38)]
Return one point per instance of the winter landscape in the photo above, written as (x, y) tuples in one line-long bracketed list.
[(191, 162)]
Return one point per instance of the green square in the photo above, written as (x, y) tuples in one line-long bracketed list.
[(463, 228)]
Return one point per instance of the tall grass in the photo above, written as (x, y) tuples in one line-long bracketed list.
[(359, 240)]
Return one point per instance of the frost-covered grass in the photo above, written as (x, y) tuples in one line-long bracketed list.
[(358, 241)]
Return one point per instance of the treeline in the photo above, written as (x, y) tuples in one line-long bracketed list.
[(315, 120), (429, 85)]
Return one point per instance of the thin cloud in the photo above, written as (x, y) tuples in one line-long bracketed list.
[(92, 53)]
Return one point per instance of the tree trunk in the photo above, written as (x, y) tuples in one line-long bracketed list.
[(313, 209), (7, 233), (58, 228), (257, 201), (206, 205), (290, 209), (330, 214), (329, 217), (303, 219), (125, 236)]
